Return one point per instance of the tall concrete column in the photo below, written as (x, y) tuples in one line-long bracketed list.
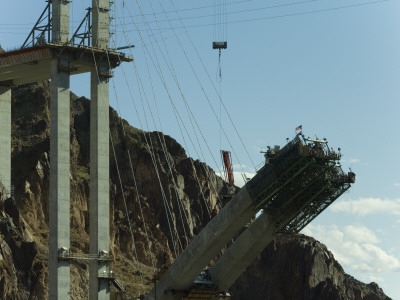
[(60, 21), (99, 185), (101, 23), (59, 202), (5, 137), (99, 226)]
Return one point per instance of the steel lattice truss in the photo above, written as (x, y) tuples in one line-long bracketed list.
[(298, 182)]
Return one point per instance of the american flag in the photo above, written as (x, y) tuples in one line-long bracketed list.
[(299, 127)]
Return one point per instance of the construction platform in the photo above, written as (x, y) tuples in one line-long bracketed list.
[(32, 64), (298, 182)]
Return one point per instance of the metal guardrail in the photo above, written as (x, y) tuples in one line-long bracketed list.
[(65, 254), (110, 276)]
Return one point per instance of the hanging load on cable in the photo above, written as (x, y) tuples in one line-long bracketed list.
[(220, 29), (220, 25)]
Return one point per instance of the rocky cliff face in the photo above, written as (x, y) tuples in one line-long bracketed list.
[(299, 267), (294, 267), (144, 201), (22, 260)]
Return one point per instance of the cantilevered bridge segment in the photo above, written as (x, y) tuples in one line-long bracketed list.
[(295, 185)]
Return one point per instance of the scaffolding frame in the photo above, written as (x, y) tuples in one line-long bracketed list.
[(38, 31)]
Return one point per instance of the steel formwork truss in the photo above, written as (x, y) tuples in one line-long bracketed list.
[(266, 197), (296, 209), (298, 182), (41, 29), (316, 207), (297, 199), (83, 38)]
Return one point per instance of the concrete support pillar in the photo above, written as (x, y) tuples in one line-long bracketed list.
[(59, 202), (243, 252), (5, 137), (60, 21), (99, 157), (99, 184), (205, 246), (101, 23)]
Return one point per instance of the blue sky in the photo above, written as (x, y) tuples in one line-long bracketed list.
[(331, 66)]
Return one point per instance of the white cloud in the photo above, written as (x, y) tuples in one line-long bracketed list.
[(379, 262), (375, 278), (366, 206), (363, 268), (351, 160), (239, 180), (355, 247), (239, 166), (238, 177), (396, 184), (354, 160), (396, 225), (360, 234)]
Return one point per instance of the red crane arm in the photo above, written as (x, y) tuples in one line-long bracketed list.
[(226, 157)]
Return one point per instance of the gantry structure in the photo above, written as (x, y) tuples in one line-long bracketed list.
[(293, 187), (54, 55)]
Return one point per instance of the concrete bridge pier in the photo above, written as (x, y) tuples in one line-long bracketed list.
[(5, 137), (99, 270), (59, 202), (99, 186)]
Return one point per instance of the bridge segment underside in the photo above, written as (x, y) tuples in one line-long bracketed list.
[(33, 64)]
